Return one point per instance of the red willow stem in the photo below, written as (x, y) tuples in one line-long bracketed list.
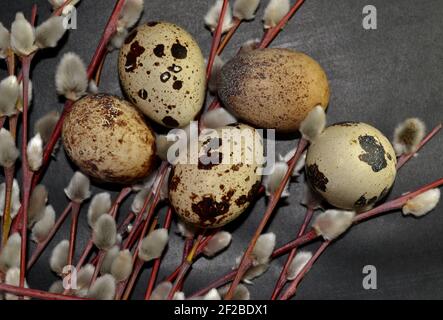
[(75, 210), (273, 32), (42, 245), (282, 278), (122, 228), (157, 262), (311, 235), (38, 294), (274, 199), (99, 54), (9, 181), (405, 157), (294, 284), (59, 11), (121, 196), (186, 266), (27, 174), (236, 23), (216, 39)]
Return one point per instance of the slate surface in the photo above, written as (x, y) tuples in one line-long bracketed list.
[(380, 77)]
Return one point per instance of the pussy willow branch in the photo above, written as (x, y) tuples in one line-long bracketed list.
[(38, 294), (216, 39), (236, 23), (282, 278), (273, 32), (42, 245), (157, 262), (405, 157), (294, 283), (273, 201), (311, 235)]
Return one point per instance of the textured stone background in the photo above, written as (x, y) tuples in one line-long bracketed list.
[(379, 77)]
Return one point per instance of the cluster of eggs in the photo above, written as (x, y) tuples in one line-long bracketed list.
[(162, 72)]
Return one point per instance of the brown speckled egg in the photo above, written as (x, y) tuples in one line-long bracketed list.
[(273, 88), (211, 195), (352, 165), (108, 139), (162, 71)]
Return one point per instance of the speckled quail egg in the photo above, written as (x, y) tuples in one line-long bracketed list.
[(352, 165), (218, 186), (273, 88), (108, 139), (162, 71)]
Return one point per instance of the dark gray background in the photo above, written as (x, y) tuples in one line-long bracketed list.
[(380, 77)]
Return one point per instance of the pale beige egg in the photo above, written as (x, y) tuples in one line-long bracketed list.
[(108, 139), (273, 88), (162, 71), (352, 165), (219, 185)]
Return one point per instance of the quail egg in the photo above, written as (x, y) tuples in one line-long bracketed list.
[(162, 71), (352, 165), (108, 139)]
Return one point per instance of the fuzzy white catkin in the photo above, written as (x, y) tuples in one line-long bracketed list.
[(217, 118), (333, 223), (122, 266), (263, 248), (57, 287), (272, 181), (4, 41), (212, 295), (153, 244), (8, 151), (42, 228), (408, 135), (9, 94), (245, 9), (161, 291), (185, 230), (78, 188), (15, 199), (100, 204), (274, 12), (59, 256), (37, 203), (314, 124), (109, 258), (50, 32), (422, 204), (22, 36), (71, 78), (240, 293), (103, 288), (84, 278), (13, 279), (130, 14), (105, 232), (249, 45), (213, 14), (34, 152), (255, 272), (56, 3), (215, 71), (46, 124), (220, 241), (10, 255), (20, 98), (297, 264), (117, 40)]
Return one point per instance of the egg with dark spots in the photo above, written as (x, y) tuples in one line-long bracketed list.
[(352, 165), (108, 139), (273, 88), (160, 64), (221, 182)]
